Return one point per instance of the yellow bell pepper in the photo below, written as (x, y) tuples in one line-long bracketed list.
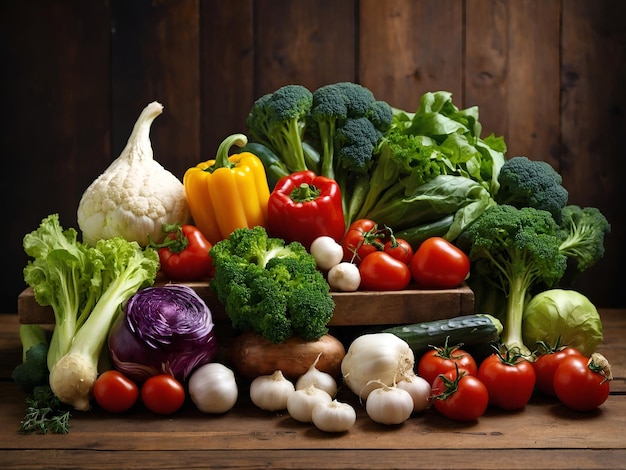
[(227, 193)]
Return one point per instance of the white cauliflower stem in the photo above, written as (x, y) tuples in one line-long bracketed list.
[(135, 195)]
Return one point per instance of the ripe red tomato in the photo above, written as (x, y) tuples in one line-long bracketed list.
[(163, 394), (460, 396), (510, 380), (362, 238), (441, 360), (546, 364), (114, 392), (580, 383), (382, 272), (439, 264), (400, 249)]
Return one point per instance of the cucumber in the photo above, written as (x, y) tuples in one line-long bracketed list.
[(416, 235), (479, 328)]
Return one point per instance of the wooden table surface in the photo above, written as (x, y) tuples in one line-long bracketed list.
[(542, 435)]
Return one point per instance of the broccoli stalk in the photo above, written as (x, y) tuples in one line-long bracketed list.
[(270, 287), (278, 120), (582, 233), (514, 250), (33, 371), (86, 294)]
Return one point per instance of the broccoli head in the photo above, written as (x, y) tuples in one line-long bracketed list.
[(278, 120), (531, 183), (270, 287), (514, 250), (582, 232)]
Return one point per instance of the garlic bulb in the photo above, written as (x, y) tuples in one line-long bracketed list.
[(271, 392), (212, 388), (389, 405), (334, 416), (135, 195), (374, 360), (300, 403), (419, 389), (318, 378)]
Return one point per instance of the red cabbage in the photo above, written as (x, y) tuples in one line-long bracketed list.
[(166, 329)]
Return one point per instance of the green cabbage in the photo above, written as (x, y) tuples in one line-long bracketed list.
[(562, 315)]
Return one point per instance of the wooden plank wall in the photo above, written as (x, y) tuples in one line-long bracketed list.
[(547, 75)]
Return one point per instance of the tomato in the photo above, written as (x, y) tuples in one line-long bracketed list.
[(362, 238), (163, 394), (460, 396), (382, 272), (509, 378), (440, 360), (400, 249), (582, 384), (114, 392), (439, 264), (546, 364)]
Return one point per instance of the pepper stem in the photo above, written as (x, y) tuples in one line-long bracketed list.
[(221, 157), (305, 193)]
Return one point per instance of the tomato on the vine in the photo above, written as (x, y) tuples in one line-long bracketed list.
[(582, 383), (382, 272), (460, 396), (546, 363), (362, 238), (400, 249), (439, 360), (437, 263), (163, 394), (509, 378), (114, 392)]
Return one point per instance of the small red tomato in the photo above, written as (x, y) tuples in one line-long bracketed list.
[(362, 238), (545, 365), (163, 394), (437, 263), (400, 249), (459, 396), (582, 384), (510, 380), (382, 272), (114, 392), (440, 360)]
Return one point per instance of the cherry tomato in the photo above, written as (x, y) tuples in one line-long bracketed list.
[(545, 365), (439, 264), (114, 392), (163, 394), (362, 238), (440, 360), (400, 249), (460, 396), (582, 384), (509, 378), (382, 272)]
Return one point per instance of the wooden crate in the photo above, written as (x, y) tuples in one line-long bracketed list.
[(351, 308)]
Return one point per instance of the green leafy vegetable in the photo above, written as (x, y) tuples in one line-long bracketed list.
[(565, 316), (33, 370), (271, 287), (85, 286), (45, 413)]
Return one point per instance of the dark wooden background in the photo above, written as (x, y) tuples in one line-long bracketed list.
[(548, 75)]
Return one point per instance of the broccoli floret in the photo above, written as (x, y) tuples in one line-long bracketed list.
[(278, 120), (531, 183), (514, 250), (33, 370), (270, 287), (582, 232)]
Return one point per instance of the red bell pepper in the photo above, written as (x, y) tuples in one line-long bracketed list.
[(303, 206), (184, 254)]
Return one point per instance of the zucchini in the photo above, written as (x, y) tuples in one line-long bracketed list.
[(479, 328), (416, 235)]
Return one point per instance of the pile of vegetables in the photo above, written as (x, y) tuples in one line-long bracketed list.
[(334, 191)]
